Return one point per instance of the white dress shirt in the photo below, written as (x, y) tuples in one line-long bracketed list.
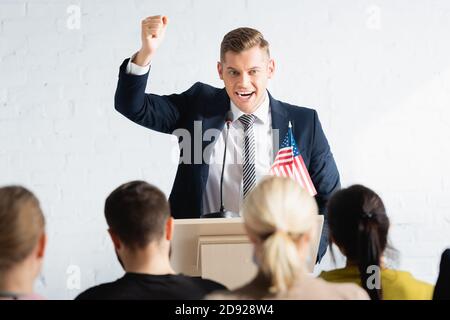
[(232, 179), (134, 69)]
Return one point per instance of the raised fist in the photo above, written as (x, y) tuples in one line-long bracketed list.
[(152, 33)]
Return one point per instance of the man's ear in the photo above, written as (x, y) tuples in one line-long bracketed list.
[(42, 244), (271, 68), (169, 229), (115, 239), (220, 69)]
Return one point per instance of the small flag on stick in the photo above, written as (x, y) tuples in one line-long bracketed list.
[(289, 163)]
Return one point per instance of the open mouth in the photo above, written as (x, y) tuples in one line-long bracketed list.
[(244, 95)]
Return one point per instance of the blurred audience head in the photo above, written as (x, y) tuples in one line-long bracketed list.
[(22, 239), (359, 227), (138, 215), (280, 218), (442, 289)]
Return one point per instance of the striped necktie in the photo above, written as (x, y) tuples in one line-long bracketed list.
[(249, 171)]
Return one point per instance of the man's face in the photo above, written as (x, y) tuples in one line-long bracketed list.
[(245, 76)]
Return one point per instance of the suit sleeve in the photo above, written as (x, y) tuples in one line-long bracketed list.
[(325, 176), (160, 113), (323, 169)]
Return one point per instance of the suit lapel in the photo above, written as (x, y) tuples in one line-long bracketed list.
[(280, 123), (214, 115)]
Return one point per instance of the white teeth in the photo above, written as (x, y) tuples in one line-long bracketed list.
[(244, 93)]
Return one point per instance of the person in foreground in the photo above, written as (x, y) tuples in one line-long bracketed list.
[(22, 243), (359, 227), (280, 219), (442, 290), (141, 228)]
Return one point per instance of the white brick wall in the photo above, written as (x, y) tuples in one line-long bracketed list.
[(377, 72)]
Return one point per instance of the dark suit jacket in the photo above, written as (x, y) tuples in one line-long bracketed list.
[(210, 105), (442, 288)]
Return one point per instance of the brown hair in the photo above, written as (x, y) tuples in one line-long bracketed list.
[(241, 39), (22, 223), (359, 226), (137, 212)]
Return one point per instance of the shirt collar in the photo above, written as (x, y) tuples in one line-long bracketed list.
[(261, 113)]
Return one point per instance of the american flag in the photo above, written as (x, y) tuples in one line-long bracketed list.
[(289, 163)]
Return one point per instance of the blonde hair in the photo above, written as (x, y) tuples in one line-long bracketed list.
[(241, 39), (22, 223), (278, 212)]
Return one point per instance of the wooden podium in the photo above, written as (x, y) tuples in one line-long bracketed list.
[(219, 249)]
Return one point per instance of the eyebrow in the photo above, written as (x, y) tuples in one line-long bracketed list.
[(252, 68)]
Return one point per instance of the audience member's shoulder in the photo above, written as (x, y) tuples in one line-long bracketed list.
[(331, 275), (206, 284), (445, 259), (401, 276), (350, 291), (341, 291), (309, 289), (405, 279), (31, 296), (100, 292), (226, 295), (340, 275)]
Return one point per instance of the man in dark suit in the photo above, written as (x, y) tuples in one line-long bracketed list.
[(256, 124), (442, 288)]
